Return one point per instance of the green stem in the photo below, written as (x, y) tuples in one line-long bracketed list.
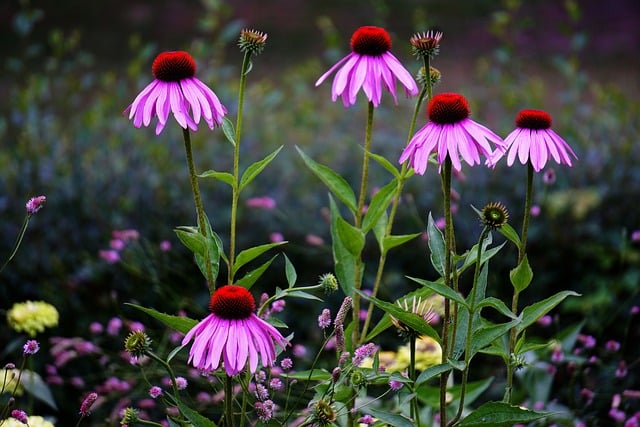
[(228, 401), (23, 230), (415, 410), (202, 222), (448, 238), (246, 61), (358, 222), (516, 294), (472, 311)]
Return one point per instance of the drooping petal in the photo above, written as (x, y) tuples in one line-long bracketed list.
[(341, 80), (332, 69), (401, 73), (523, 146)]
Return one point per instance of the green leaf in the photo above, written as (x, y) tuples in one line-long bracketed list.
[(432, 372), (507, 231), (413, 321), (33, 383), (379, 204), (336, 184), (215, 252), (179, 323), (521, 275), (535, 311), (351, 237), (251, 277), (173, 353), (391, 242), (497, 304), (382, 161), (303, 295), (255, 169), (229, 131), (497, 414), (290, 272), (225, 177), (484, 336), (436, 246), (344, 261), (439, 288), (389, 418), (313, 375), (194, 417), (250, 254), (191, 238)]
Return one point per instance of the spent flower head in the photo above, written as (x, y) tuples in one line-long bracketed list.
[(450, 133), (371, 67), (426, 44), (434, 76), (130, 416), (494, 215), (252, 41), (175, 89), (534, 141), (419, 307), (32, 317), (329, 283), (137, 344)]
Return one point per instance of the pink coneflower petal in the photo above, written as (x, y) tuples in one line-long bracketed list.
[(534, 141), (233, 334), (369, 67), (450, 134), (176, 90)]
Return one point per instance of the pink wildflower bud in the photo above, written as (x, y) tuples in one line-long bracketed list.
[(85, 407), (20, 416), (35, 204)]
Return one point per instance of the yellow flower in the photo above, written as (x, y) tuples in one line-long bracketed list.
[(32, 317), (34, 421), (428, 354)]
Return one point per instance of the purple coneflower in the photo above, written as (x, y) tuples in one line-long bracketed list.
[(176, 89), (232, 333), (450, 132), (534, 141), (369, 65)]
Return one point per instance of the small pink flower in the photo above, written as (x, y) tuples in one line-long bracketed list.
[(371, 67), (109, 255), (116, 244), (20, 416), (96, 328), (276, 237), (395, 385), (87, 403), (621, 370), (35, 204), (181, 383), (612, 346), (165, 246), (155, 392), (535, 210), (31, 347), (314, 240), (114, 325), (175, 89), (635, 236), (286, 364), (324, 319), (261, 202)]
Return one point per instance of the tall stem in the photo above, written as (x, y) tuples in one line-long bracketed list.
[(448, 245), (236, 166), (202, 222), (358, 222), (516, 294), (228, 401), (472, 311), (415, 410)]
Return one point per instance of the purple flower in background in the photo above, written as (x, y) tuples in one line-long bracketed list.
[(363, 352), (324, 320), (534, 141), (369, 66), (175, 89), (87, 403), (449, 133), (261, 202), (20, 416), (31, 347)]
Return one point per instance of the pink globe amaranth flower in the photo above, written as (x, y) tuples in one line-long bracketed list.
[(369, 66), (35, 204), (233, 334), (449, 133), (534, 141), (176, 89)]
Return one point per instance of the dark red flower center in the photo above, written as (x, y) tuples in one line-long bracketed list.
[(173, 66), (370, 41), (533, 119), (448, 108), (232, 302)]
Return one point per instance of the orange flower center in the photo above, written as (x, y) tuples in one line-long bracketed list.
[(370, 41), (232, 302), (448, 108), (173, 66), (533, 119)]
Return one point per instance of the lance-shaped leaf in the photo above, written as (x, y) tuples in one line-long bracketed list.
[(250, 254), (351, 237), (436, 246), (251, 277), (439, 288), (379, 204), (521, 275), (338, 186), (498, 414), (254, 170), (178, 323), (532, 313), (344, 261), (229, 131), (195, 419), (225, 177)]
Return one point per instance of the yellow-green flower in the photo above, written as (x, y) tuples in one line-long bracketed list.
[(34, 421), (32, 317)]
